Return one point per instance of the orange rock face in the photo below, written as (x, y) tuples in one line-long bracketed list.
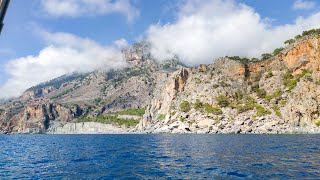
[(305, 55)]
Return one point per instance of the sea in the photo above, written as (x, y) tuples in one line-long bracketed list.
[(159, 156)]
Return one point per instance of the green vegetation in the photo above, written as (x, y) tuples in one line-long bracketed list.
[(182, 119), (61, 94), (304, 73), (2, 111), (59, 81), (283, 102), (269, 74), (290, 82), (289, 41), (161, 117), (266, 56), (261, 111), (245, 108), (223, 101), (111, 120), (311, 32), (276, 110), (245, 104), (261, 93), (240, 59), (136, 71), (132, 112), (103, 89), (185, 106), (198, 105), (213, 110), (277, 51), (317, 123), (298, 36), (276, 94), (97, 100), (243, 60)]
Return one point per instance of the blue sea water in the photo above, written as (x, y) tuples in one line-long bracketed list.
[(160, 156)]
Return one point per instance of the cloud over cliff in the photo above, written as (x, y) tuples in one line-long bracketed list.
[(65, 53), (205, 30)]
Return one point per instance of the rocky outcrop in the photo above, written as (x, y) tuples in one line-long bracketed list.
[(31, 94), (303, 106), (278, 104), (88, 128), (304, 54), (39, 117)]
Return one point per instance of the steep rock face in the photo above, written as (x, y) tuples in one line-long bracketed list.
[(304, 54), (261, 97), (231, 68), (175, 84), (38, 117), (162, 100), (303, 106), (88, 128)]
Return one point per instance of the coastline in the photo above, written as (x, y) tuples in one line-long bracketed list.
[(100, 128)]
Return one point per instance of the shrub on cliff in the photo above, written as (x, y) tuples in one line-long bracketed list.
[(133, 112), (261, 93), (185, 106), (266, 56), (245, 108), (223, 101), (213, 110), (198, 105), (277, 51), (261, 111), (276, 94), (289, 41), (161, 117)]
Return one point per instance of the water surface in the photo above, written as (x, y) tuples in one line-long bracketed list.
[(160, 156)]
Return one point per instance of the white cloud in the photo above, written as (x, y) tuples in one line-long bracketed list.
[(66, 53), (209, 29), (303, 5), (121, 43), (78, 8)]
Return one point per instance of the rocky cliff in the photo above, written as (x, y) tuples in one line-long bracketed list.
[(276, 95)]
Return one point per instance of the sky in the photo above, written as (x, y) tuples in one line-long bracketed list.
[(44, 39)]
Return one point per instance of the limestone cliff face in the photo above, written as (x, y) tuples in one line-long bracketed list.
[(304, 54), (38, 117), (278, 106), (175, 84), (31, 94), (303, 106), (255, 70), (231, 68), (88, 128)]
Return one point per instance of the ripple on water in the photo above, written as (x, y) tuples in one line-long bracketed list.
[(159, 156)]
